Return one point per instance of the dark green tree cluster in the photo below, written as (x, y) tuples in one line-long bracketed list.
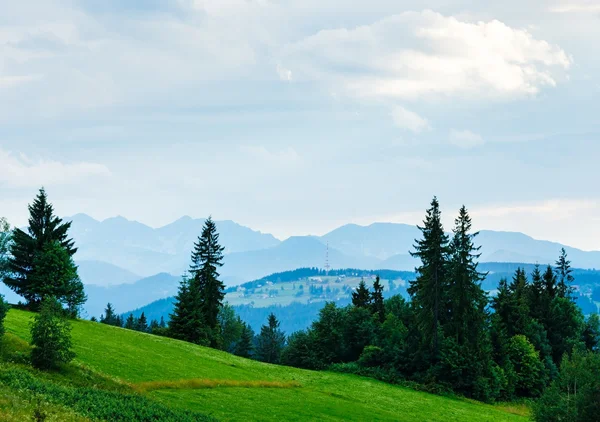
[(3, 311), (40, 263), (195, 317), (110, 317), (270, 341), (450, 335)]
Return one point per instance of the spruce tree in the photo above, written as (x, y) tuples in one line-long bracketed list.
[(270, 341), (187, 321), (537, 297), (244, 345), (109, 317), (564, 273), (130, 323), (162, 324), (44, 228), (142, 324), (429, 289), (377, 303), (205, 286), (361, 298)]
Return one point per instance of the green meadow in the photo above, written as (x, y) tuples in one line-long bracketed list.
[(181, 381)]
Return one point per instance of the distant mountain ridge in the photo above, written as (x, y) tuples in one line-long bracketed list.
[(129, 247)]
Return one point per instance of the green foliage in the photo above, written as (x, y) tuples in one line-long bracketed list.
[(231, 327), (575, 395), (93, 403), (527, 366), (54, 274), (564, 274), (244, 345), (142, 324), (302, 352), (110, 317), (3, 310), (372, 357), (377, 302), (361, 298), (50, 336), (429, 289), (270, 341), (196, 314), (44, 229), (591, 333)]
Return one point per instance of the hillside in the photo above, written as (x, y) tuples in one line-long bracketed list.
[(179, 376)]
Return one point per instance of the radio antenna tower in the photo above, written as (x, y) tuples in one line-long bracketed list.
[(327, 266)]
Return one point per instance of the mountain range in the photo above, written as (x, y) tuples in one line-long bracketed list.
[(118, 251)]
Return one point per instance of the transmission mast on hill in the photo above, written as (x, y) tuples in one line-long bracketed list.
[(327, 266)]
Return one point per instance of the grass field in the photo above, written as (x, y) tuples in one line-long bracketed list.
[(184, 376)]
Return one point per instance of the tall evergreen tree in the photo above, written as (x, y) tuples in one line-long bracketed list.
[(429, 289), (377, 302), (361, 298), (142, 323), (244, 345), (207, 258), (109, 317), (537, 297), (162, 324), (564, 273), (270, 341), (131, 323), (44, 228), (187, 322)]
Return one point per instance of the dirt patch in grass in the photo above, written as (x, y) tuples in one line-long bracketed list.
[(197, 383)]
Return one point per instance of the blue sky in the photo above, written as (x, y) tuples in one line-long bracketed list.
[(295, 117)]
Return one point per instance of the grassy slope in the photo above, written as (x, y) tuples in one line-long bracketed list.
[(135, 358)]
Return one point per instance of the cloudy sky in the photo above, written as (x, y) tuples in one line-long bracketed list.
[(294, 117)]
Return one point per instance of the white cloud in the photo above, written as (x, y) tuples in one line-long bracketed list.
[(465, 138), (422, 55), (406, 119), (21, 171)]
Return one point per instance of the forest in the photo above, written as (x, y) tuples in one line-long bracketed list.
[(530, 341)]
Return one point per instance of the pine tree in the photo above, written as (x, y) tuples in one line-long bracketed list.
[(162, 324), (109, 317), (142, 324), (244, 346), (377, 303), (187, 321), (270, 341), (207, 258), (44, 228), (564, 273), (361, 298), (537, 296), (429, 289), (518, 317), (131, 322)]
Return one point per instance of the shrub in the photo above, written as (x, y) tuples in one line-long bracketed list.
[(51, 336)]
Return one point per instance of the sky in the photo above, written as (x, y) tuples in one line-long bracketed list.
[(295, 117)]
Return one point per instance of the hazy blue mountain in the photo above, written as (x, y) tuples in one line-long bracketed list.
[(295, 252), (130, 296), (378, 240), (144, 250), (104, 274)]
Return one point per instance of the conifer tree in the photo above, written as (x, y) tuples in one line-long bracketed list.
[(142, 323), (429, 289), (361, 298), (44, 228), (206, 289), (244, 346), (50, 336), (270, 341), (109, 317), (537, 297), (130, 323), (564, 273), (377, 302), (162, 324), (5, 241)]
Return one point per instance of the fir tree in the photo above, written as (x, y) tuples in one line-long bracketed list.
[(109, 317), (244, 345), (142, 323), (361, 298), (130, 323), (205, 286), (44, 229), (270, 341), (162, 324), (564, 275), (377, 303), (187, 321), (537, 297), (429, 289)]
